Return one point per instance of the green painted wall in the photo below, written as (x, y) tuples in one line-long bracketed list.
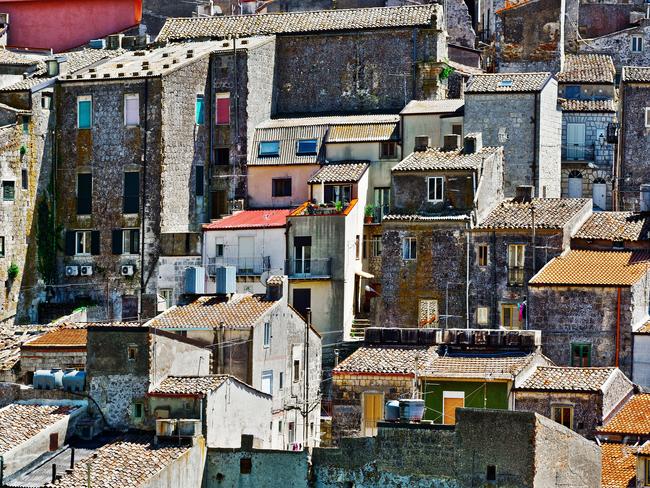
[(477, 395)]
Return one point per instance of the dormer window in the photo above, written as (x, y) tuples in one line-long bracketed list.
[(307, 147), (269, 148), (505, 84)]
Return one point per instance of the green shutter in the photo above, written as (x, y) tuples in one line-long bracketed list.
[(199, 110), (84, 108)]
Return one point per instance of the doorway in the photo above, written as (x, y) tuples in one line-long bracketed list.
[(451, 401), (302, 300), (575, 184), (599, 194)]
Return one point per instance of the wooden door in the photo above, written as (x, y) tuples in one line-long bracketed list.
[(599, 195), (373, 411), (450, 404), (54, 441)]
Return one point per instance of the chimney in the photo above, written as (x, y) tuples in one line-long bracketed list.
[(422, 143), (473, 143), (451, 142), (525, 193), (277, 288)]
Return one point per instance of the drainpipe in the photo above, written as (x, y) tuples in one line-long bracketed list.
[(467, 276), (414, 63), (536, 149), (618, 326), (143, 190)]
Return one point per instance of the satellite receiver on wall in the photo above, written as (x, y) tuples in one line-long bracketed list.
[(264, 277)]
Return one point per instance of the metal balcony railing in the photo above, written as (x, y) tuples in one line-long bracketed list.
[(379, 212), (308, 268), (578, 152), (516, 276), (245, 266)]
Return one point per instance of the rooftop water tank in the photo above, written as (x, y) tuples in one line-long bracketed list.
[(392, 411), (74, 380), (411, 410), (226, 280), (48, 379), (195, 280)]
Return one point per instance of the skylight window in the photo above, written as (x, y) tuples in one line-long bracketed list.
[(269, 148), (505, 84), (306, 147)]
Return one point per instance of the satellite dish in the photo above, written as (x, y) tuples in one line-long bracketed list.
[(264, 277)]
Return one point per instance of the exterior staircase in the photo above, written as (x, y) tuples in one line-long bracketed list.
[(358, 331)]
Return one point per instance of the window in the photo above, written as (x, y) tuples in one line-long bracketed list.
[(222, 156), (338, 193), (25, 120), (24, 178), (436, 188), (511, 317), (375, 247), (219, 250), (388, 150), (267, 382), (581, 354), (296, 370), (8, 191), (504, 84), (131, 110), (280, 426), (167, 294), (46, 101), (131, 203), (199, 184), (482, 254), (302, 296), (373, 412), (457, 129), (306, 147), (636, 44), (427, 313), (491, 473), (357, 247), (382, 202), (516, 259), (647, 471), (83, 241), (482, 315), (138, 410), (572, 91), (130, 241), (563, 414), (2, 246), (267, 335), (269, 148), (245, 465), (281, 385), (223, 108), (409, 248), (132, 353), (199, 117), (84, 194), (292, 432), (281, 187), (647, 116), (84, 112)]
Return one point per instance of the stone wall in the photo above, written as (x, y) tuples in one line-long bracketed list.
[(33, 360), (597, 19), (549, 157), (619, 46)]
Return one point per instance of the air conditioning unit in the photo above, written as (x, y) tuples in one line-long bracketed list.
[(127, 270), (86, 270), (72, 270)]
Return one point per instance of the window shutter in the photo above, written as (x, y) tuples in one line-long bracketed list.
[(199, 181), (116, 241), (131, 110), (84, 194), (199, 110), (69, 243), (84, 108), (94, 242), (131, 192), (134, 244), (223, 109)]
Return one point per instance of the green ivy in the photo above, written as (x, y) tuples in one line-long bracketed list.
[(46, 242), (446, 72), (13, 271)]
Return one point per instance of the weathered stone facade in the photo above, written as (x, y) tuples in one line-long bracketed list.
[(619, 45)]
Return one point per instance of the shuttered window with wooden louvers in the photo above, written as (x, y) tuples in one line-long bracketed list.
[(131, 193), (428, 313)]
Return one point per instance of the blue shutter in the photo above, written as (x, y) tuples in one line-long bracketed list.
[(199, 110), (85, 113)]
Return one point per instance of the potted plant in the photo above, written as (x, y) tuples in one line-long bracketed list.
[(369, 213), (338, 206)]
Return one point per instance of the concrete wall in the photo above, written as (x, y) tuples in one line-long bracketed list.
[(176, 356), (433, 125), (187, 470), (549, 127), (260, 185), (641, 360)]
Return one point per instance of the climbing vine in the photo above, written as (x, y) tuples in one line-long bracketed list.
[(46, 239)]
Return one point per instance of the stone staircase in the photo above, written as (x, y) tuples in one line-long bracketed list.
[(358, 331)]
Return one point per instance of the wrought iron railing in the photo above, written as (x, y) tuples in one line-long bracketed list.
[(308, 268), (245, 266)]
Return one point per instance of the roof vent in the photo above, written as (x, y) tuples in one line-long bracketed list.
[(107, 75), (165, 55), (422, 143), (451, 142), (119, 65), (244, 42), (139, 53), (120, 74), (525, 193)]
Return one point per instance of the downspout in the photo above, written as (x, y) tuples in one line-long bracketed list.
[(468, 227), (618, 326), (536, 138), (414, 57), (620, 149), (143, 190)]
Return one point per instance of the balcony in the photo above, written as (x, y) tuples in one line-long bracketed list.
[(245, 266), (516, 276), (578, 152), (308, 268)]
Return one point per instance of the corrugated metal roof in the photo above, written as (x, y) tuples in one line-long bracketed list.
[(450, 105), (288, 137), (251, 219), (364, 132), (329, 120)]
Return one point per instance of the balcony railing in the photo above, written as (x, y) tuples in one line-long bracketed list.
[(308, 268), (245, 266), (578, 152), (516, 276), (379, 212)]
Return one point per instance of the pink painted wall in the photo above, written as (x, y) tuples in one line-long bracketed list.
[(65, 24)]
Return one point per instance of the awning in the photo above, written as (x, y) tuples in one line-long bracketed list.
[(364, 274)]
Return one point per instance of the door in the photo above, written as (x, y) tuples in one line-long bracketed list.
[(246, 255), (451, 401), (218, 205), (302, 300), (302, 249), (599, 194), (54, 441), (382, 203), (575, 184), (373, 411), (129, 307), (575, 140)]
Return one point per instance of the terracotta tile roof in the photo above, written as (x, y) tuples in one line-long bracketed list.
[(385, 131), (507, 82), (450, 105), (587, 105), (567, 378), (644, 449), (340, 172), (594, 268), (636, 74), (426, 218), (11, 339), (550, 213), (275, 280), (251, 219), (618, 466), (19, 423), (299, 22), (189, 385), (208, 312), (385, 359), (632, 419), (17, 58), (476, 367), (435, 159), (587, 68), (60, 338), (132, 460), (616, 226), (644, 329)]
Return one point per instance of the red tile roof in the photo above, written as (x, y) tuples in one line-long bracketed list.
[(618, 466), (251, 219), (60, 338), (632, 419)]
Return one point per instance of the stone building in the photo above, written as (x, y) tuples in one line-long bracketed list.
[(588, 304), (632, 170), (436, 195), (507, 248), (62, 348), (581, 399), (630, 424), (588, 100), (607, 231), (519, 112), (627, 46)]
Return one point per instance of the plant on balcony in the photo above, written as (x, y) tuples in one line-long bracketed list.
[(12, 272), (368, 212), (339, 206)]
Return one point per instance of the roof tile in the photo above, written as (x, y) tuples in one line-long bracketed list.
[(587, 105), (616, 226), (618, 466), (370, 132), (587, 68), (550, 213), (384, 359), (507, 82), (445, 106), (64, 337), (340, 172), (636, 74), (476, 367), (632, 419), (189, 385), (567, 378), (435, 159), (251, 219)]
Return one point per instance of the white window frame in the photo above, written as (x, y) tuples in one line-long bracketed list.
[(127, 98), (267, 335), (441, 189), (427, 310), (409, 244), (636, 44), (376, 247), (268, 374), (482, 315), (86, 238), (84, 98), (126, 247), (519, 257), (647, 116)]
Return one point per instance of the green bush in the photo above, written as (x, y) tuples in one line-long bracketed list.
[(13, 270)]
